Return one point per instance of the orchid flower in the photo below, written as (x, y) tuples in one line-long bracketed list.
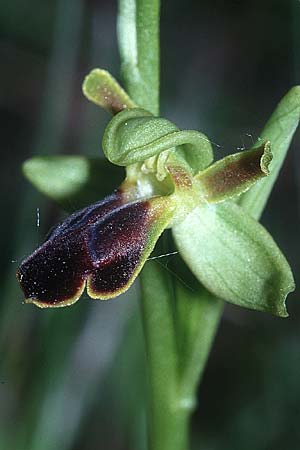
[(171, 182)]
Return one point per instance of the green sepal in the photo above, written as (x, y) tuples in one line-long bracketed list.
[(101, 88), (135, 135), (279, 130), (234, 174), (235, 257), (72, 181)]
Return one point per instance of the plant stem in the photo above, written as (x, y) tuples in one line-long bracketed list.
[(180, 319), (138, 32), (173, 369), (138, 35), (167, 417)]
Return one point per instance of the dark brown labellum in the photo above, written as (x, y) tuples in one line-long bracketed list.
[(103, 245)]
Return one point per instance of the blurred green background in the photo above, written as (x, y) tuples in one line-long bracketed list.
[(74, 378)]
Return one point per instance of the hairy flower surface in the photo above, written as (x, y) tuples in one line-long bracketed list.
[(170, 183)]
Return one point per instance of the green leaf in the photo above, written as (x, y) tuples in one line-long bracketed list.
[(234, 174), (279, 130), (72, 181), (102, 89), (235, 257), (135, 135)]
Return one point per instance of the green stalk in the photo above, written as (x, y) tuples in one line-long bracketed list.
[(138, 33), (180, 322), (167, 421), (138, 36), (180, 319), (173, 371)]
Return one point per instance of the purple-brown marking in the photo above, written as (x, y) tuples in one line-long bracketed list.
[(114, 102), (101, 244), (180, 177), (116, 246), (56, 272), (235, 173)]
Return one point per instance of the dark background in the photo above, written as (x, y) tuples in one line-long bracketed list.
[(74, 378)]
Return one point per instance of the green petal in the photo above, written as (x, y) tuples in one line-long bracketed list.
[(72, 181), (101, 88), (235, 257), (279, 130), (136, 135), (234, 174)]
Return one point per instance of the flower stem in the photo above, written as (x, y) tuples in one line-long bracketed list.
[(180, 318), (179, 322), (138, 36), (173, 369), (167, 417)]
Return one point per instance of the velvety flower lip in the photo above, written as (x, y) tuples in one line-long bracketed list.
[(103, 246), (86, 216)]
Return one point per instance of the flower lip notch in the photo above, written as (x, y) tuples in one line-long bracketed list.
[(103, 247)]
